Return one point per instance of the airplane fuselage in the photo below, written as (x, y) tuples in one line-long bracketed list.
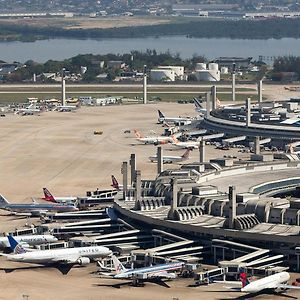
[(36, 208), (150, 271), (193, 145), (29, 239), (167, 159), (269, 282), (62, 199), (154, 140), (64, 256)]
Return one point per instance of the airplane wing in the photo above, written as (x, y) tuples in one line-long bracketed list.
[(287, 286), (66, 259), (162, 275)]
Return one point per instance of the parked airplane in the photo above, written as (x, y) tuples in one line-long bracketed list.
[(156, 140), (65, 108), (67, 256), (30, 240), (147, 273), (163, 119), (36, 209), (49, 197), (273, 282), (198, 106), (30, 110), (172, 159), (187, 145)]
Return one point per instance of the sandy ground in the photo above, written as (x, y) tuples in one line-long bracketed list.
[(88, 23), (60, 151)]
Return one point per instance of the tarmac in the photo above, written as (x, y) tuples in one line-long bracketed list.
[(60, 151)]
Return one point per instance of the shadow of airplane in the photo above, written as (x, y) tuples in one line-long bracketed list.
[(64, 269), (141, 283), (252, 295)]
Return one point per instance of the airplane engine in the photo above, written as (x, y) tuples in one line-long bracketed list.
[(83, 261)]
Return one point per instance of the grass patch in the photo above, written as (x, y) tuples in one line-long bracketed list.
[(164, 97)]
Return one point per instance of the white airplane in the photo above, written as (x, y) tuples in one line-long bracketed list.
[(34, 208), (273, 282), (156, 140), (172, 159), (186, 145), (49, 197), (198, 107), (146, 273), (163, 119), (65, 108), (64, 257), (30, 110), (29, 240)]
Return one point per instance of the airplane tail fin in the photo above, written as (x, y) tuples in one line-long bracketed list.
[(137, 134), (174, 139), (186, 154), (290, 149), (244, 278), (118, 265), (115, 183), (15, 246), (3, 201), (160, 115), (48, 195), (197, 104)]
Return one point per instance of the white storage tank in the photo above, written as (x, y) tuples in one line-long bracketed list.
[(200, 66), (179, 70), (224, 70), (208, 75), (162, 75), (213, 66)]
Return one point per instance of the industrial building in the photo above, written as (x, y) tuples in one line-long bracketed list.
[(228, 62)]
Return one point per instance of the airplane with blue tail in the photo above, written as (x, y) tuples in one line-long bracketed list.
[(64, 258)]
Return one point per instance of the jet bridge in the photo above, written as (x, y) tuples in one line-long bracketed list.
[(84, 214), (123, 239), (212, 136), (256, 261), (234, 248), (205, 277), (185, 250), (234, 139)]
